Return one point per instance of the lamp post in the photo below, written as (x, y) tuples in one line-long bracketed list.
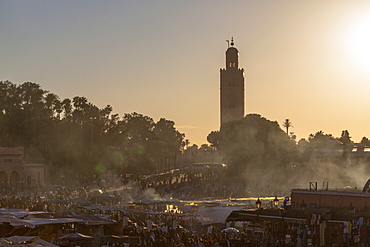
[(258, 203), (276, 202), (259, 208)]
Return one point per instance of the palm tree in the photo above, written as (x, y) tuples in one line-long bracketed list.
[(287, 124)]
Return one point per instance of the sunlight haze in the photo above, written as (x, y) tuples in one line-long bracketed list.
[(307, 61)]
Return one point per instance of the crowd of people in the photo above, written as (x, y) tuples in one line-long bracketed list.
[(153, 227), (191, 184)]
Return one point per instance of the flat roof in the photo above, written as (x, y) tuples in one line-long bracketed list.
[(331, 192)]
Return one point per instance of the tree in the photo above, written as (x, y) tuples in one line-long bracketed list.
[(9, 106), (319, 137), (204, 148), (302, 145), (165, 131), (79, 137), (185, 144), (365, 141), (214, 139), (287, 124), (345, 138), (323, 145), (255, 145)]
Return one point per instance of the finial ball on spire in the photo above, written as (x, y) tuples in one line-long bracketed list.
[(232, 41)]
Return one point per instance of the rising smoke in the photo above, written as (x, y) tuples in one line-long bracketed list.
[(270, 163)]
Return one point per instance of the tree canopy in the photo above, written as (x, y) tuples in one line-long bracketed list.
[(80, 137), (254, 145), (262, 154)]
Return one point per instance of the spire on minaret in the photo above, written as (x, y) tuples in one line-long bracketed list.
[(232, 41)]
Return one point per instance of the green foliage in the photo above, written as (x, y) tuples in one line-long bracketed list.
[(345, 138), (255, 145), (365, 141), (287, 124), (321, 142), (319, 137), (214, 138), (79, 137)]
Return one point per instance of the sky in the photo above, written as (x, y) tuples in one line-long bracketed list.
[(307, 61)]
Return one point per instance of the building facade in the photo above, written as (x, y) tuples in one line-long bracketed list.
[(357, 200), (15, 174), (231, 87)]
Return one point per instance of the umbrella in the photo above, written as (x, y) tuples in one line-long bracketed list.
[(75, 236), (230, 230)]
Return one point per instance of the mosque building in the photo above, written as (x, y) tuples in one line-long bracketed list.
[(231, 87)]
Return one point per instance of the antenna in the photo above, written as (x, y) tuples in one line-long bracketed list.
[(228, 45)]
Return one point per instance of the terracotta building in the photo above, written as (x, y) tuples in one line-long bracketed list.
[(15, 174), (312, 198)]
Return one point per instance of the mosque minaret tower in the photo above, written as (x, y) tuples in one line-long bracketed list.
[(231, 87)]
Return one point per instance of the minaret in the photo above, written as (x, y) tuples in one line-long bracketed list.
[(231, 87)]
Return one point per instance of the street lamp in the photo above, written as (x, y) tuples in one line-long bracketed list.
[(258, 203), (276, 202)]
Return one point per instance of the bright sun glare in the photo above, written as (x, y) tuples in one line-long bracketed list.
[(359, 43)]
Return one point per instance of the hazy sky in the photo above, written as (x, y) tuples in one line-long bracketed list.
[(308, 61)]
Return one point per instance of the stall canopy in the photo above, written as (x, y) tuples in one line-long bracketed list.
[(214, 215), (21, 213), (75, 236), (243, 215), (32, 223), (20, 239)]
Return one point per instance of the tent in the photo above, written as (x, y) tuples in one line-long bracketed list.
[(20, 239), (75, 236), (40, 242)]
